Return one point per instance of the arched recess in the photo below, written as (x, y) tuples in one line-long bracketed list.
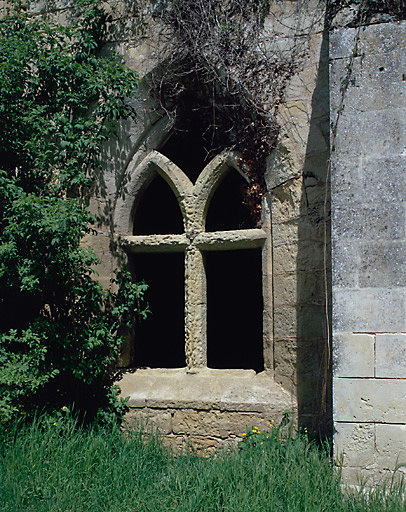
[(211, 178), (226, 209), (157, 211), (158, 340)]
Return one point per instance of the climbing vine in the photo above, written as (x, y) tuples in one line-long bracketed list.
[(352, 11), (219, 53)]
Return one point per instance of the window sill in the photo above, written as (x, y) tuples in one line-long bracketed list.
[(205, 389)]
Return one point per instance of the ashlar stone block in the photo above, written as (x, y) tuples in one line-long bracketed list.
[(353, 355), (385, 221), (151, 419), (391, 446), (354, 444), (369, 310), (391, 356), (382, 264), (369, 400), (219, 424)]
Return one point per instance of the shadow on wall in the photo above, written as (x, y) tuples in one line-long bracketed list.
[(313, 371)]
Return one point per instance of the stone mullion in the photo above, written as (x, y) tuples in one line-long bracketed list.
[(267, 291), (195, 309)]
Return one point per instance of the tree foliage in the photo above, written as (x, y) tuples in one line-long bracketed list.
[(59, 100)]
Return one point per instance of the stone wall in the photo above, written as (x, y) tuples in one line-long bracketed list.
[(213, 407), (369, 247), (294, 216)]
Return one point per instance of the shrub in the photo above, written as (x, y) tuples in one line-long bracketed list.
[(59, 100)]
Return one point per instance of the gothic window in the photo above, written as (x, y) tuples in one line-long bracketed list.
[(207, 266)]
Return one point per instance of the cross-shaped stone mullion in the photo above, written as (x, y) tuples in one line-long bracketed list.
[(193, 245), (194, 200)]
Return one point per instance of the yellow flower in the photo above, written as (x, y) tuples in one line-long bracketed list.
[(244, 434), (54, 423), (262, 442), (64, 408)]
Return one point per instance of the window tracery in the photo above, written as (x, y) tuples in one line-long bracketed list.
[(195, 241)]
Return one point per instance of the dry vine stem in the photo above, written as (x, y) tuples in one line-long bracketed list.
[(223, 61)]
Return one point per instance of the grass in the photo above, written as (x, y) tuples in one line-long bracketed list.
[(47, 467)]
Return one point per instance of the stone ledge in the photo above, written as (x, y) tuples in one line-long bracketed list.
[(206, 389)]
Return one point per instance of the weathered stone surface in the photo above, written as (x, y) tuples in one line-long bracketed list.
[(292, 257), (346, 181), (379, 133), (353, 355), (376, 83), (382, 38), (287, 199), (235, 390), (382, 264), (301, 321), (369, 310), (391, 356), (290, 18), (220, 424), (297, 359), (384, 180), (150, 419), (345, 258), (354, 444), (300, 288), (305, 228), (369, 400), (391, 446), (377, 222), (356, 476)]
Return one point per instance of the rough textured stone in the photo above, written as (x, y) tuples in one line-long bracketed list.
[(299, 288), (391, 446), (238, 390), (369, 310), (377, 222), (354, 444), (346, 263), (384, 179), (151, 419), (376, 38), (353, 355), (382, 264), (219, 424), (292, 257), (391, 356), (369, 400), (302, 321)]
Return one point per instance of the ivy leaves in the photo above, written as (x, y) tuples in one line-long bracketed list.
[(59, 329), (58, 99)]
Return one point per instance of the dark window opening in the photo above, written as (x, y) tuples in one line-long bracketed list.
[(227, 209), (159, 340), (234, 309), (158, 212), (187, 149)]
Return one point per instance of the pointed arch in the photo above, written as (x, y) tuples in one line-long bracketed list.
[(210, 178), (140, 176)]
